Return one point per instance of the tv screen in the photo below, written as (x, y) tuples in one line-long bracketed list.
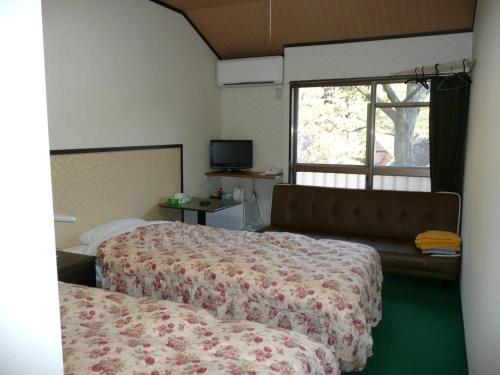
[(231, 155)]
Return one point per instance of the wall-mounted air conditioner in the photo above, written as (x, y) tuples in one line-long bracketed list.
[(253, 71)]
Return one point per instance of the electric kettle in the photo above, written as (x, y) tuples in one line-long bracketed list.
[(239, 193)]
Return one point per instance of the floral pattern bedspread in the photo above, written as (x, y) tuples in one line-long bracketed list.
[(327, 289), (110, 333)]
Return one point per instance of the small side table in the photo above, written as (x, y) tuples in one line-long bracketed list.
[(76, 268), (214, 206)]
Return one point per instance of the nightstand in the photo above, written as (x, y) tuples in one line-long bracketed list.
[(76, 268)]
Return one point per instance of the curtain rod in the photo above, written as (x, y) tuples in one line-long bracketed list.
[(448, 67)]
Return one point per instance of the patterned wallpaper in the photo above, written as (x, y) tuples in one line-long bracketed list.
[(105, 186)]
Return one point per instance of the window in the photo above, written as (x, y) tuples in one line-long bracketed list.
[(361, 135)]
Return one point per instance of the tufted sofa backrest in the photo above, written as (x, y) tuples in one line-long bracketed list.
[(395, 214)]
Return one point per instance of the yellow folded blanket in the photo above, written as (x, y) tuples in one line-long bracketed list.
[(438, 235), (433, 239)]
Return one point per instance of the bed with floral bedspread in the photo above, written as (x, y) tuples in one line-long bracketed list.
[(327, 289), (110, 333)]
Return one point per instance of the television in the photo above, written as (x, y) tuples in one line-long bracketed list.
[(231, 155)]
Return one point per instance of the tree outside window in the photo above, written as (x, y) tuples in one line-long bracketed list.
[(372, 128)]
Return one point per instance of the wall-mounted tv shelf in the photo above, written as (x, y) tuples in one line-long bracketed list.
[(257, 175)]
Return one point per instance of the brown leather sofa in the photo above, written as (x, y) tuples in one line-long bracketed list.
[(386, 220)]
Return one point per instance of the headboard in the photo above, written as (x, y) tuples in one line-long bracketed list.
[(103, 184)]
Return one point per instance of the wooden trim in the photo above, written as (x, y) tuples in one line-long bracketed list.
[(294, 131), (239, 58), (376, 38), (291, 147), (183, 13), (371, 135), (401, 171), (402, 105), (256, 175), (110, 149), (353, 169), (357, 81), (182, 170), (251, 83), (474, 16), (330, 168), (165, 5)]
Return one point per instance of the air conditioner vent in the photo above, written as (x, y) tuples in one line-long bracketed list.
[(254, 71)]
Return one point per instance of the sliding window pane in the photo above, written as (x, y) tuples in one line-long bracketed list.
[(402, 137), (332, 125), (402, 93), (337, 180)]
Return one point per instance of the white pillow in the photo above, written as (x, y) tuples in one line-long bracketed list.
[(104, 230)]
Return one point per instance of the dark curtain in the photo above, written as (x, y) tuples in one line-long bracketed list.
[(449, 110)]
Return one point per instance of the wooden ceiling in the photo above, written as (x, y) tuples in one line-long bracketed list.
[(240, 28)]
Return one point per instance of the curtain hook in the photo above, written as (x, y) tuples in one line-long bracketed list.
[(436, 70), (424, 80)]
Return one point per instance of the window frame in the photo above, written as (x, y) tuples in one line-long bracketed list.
[(369, 169)]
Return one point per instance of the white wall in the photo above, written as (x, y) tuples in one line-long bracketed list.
[(129, 72), (481, 214), (30, 334), (374, 58), (255, 113)]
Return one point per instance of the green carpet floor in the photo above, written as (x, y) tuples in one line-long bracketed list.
[(421, 330)]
